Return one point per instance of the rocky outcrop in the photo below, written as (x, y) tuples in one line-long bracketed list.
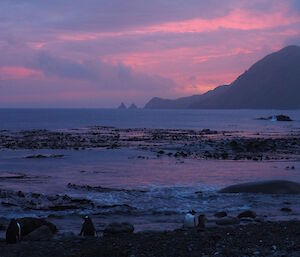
[(132, 107), (265, 187), (280, 117), (30, 224), (247, 214), (122, 106)]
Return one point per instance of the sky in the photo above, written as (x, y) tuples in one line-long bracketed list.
[(98, 53)]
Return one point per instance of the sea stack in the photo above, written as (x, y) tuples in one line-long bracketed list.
[(122, 106), (132, 106)]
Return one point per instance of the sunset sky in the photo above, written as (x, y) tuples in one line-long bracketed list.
[(98, 53)]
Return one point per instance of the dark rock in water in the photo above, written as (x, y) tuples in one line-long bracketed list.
[(103, 189), (118, 228), (283, 118), (7, 204), (43, 233), (44, 156), (285, 209), (37, 156), (247, 214), (30, 224), (227, 221), (265, 187), (122, 106), (220, 214), (6, 176), (276, 117)]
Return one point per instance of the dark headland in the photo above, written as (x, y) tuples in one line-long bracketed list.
[(271, 83)]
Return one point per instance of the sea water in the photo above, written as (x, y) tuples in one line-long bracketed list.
[(171, 187)]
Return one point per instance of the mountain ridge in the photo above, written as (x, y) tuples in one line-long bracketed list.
[(271, 83)]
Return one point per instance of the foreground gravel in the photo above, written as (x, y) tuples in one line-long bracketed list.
[(264, 239)]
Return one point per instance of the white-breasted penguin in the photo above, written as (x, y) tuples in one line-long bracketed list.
[(13, 232), (190, 220)]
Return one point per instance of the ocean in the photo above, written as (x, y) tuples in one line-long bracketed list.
[(165, 188), (244, 120)]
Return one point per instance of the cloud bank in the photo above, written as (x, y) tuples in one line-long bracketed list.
[(97, 53)]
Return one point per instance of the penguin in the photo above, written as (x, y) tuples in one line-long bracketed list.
[(190, 220), (201, 221), (88, 228), (13, 232)]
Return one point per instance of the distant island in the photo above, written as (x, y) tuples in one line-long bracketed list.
[(122, 106), (132, 107), (271, 83)]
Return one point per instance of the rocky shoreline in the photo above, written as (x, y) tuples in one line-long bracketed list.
[(197, 144), (263, 239)]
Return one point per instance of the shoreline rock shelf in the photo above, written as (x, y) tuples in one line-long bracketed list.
[(265, 187), (171, 143)]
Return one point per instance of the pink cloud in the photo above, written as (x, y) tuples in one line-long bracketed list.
[(14, 72), (238, 19), (180, 50)]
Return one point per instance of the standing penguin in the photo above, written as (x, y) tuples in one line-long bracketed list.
[(13, 232), (88, 228), (201, 221), (190, 220)]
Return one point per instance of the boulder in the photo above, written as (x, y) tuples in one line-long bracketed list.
[(285, 209), (118, 228), (30, 224), (43, 233), (227, 221), (283, 118), (247, 214), (265, 187), (220, 214)]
